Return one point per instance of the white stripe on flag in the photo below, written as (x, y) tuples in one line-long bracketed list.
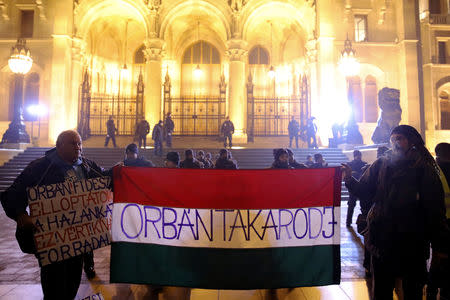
[(220, 228)]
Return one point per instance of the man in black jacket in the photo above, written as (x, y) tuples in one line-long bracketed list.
[(408, 213), (133, 160), (357, 165), (59, 280), (293, 130), (143, 128), (169, 127), (223, 162), (110, 132), (190, 162), (227, 131), (158, 136)]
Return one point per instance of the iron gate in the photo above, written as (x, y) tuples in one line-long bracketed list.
[(270, 116), (95, 110), (194, 115)]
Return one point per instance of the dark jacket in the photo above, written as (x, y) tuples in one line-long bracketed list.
[(46, 170), (138, 162), (111, 128), (293, 128), (319, 165), (157, 134), (191, 164), (408, 210), (169, 126), (297, 165), (279, 165), (225, 163), (207, 164), (227, 128), (143, 128), (357, 167)]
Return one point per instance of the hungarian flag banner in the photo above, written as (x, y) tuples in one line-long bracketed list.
[(226, 229)]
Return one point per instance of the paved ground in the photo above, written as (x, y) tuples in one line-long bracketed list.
[(19, 275)]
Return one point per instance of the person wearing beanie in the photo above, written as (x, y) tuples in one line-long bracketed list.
[(408, 213), (281, 157), (172, 160), (190, 162), (133, 160)]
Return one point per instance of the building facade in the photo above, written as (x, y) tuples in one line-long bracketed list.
[(259, 62)]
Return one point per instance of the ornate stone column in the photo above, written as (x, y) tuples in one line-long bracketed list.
[(78, 53), (153, 55), (237, 102)]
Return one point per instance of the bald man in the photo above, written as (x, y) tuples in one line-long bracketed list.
[(59, 280)]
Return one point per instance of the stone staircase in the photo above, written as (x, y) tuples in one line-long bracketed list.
[(108, 157)]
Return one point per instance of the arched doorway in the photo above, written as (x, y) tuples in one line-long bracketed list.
[(200, 109)]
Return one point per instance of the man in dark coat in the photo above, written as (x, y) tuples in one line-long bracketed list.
[(293, 130), (223, 162), (309, 161), (227, 131), (59, 280), (143, 128), (311, 130), (357, 165), (133, 160), (408, 213), (110, 132), (158, 136), (190, 162), (169, 127)]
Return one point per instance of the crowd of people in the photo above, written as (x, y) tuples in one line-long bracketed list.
[(403, 208)]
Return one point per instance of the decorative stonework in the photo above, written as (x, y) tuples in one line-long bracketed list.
[(78, 50), (4, 10), (347, 10), (237, 50), (237, 5), (40, 7), (311, 51), (154, 49)]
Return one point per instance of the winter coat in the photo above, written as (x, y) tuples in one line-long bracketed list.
[(227, 128), (191, 164), (143, 128), (293, 128), (157, 134), (111, 128), (138, 162), (408, 207), (357, 167), (297, 165), (169, 126), (225, 163)]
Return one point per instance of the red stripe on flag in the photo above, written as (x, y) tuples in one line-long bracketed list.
[(222, 189)]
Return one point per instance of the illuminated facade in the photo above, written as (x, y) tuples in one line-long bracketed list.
[(203, 60)]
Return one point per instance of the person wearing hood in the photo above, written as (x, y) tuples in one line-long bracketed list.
[(408, 213), (223, 162), (133, 160), (59, 280), (281, 157), (190, 162), (293, 163)]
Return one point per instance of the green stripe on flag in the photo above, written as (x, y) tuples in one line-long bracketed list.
[(218, 268)]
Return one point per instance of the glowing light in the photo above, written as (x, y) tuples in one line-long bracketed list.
[(37, 110), (271, 72), (198, 72), (348, 65), (20, 61)]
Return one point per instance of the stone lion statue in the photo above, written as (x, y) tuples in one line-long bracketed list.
[(391, 114)]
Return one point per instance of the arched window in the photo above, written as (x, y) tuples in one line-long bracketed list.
[(370, 100), (31, 95), (355, 93), (139, 57), (201, 53), (258, 56), (444, 103)]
